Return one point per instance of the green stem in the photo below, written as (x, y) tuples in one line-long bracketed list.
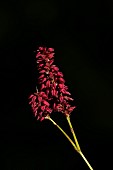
[(73, 133), (62, 132), (73, 144), (76, 141), (90, 167)]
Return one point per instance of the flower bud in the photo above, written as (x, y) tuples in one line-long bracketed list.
[(42, 71), (35, 109), (34, 104), (42, 118), (61, 80), (46, 67), (35, 113), (42, 108), (61, 86), (53, 92), (42, 86), (50, 49), (31, 96), (48, 109), (51, 62), (41, 48), (63, 91), (61, 98), (50, 74), (68, 98), (54, 106), (44, 96), (42, 93), (40, 65), (54, 85), (45, 103), (48, 84), (66, 92), (43, 80), (60, 74), (41, 76), (59, 108), (55, 68), (38, 55), (39, 99), (71, 108), (38, 61), (50, 56)]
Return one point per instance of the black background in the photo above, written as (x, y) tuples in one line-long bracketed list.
[(82, 34)]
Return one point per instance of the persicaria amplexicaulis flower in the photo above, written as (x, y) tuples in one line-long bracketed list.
[(53, 94)]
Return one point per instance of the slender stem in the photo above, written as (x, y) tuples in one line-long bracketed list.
[(73, 144), (76, 141), (73, 133), (86, 160), (62, 132)]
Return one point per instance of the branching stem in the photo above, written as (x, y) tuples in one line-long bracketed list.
[(77, 148)]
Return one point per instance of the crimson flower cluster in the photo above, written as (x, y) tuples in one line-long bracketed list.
[(53, 94)]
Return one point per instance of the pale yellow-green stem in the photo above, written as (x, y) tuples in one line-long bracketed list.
[(90, 167), (62, 132), (76, 141), (73, 144), (73, 133)]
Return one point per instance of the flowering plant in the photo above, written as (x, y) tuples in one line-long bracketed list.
[(52, 94)]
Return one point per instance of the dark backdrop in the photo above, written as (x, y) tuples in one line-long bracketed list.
[(82, 34)]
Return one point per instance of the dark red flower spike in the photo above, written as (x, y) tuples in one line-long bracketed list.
[(52, 84)]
